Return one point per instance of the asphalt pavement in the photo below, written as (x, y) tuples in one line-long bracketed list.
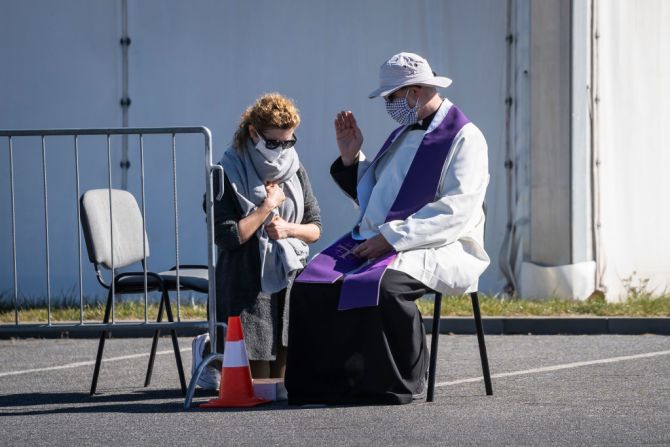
[(548, 390)]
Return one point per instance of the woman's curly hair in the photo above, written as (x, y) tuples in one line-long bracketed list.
[(270, 110)]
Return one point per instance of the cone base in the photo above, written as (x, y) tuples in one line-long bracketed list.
[(233, 403)]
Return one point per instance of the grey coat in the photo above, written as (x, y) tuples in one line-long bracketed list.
[(238, 286)]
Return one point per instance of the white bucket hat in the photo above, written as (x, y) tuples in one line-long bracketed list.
[(405, 69)]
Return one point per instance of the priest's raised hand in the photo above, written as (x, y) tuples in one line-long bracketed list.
[(349, 137)]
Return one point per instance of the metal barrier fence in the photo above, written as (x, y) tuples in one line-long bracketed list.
[(145, 326)]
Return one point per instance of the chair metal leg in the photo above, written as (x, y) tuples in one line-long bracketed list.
[(101, 344), (434, 339), (482, 344), (175, 345), (154, 345)]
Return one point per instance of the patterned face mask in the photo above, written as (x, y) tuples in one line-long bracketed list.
[(400, 111)]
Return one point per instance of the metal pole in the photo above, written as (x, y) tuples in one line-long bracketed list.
[(595, 150), (210, 168), (111, 219), (103, 131), (176, 222), (11, 189), (211, 265), (125, 98), (81, 274), (144, 232), (506, 263), (46, 228)]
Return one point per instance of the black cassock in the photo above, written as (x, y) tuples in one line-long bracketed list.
[(372, 355)]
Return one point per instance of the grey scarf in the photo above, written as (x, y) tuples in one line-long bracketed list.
[(248, 172)]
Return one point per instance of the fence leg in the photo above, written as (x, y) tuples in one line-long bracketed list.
[(195, 375)]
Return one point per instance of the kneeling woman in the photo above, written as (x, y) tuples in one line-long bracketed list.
[(263, 223)]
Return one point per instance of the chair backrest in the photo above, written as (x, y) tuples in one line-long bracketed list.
[(126, 226)]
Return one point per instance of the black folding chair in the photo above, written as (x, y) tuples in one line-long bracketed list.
[(191, 277), (435, 336), (435, 339), (129, 245)]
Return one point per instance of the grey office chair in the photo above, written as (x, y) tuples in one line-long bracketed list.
[(126, 248)]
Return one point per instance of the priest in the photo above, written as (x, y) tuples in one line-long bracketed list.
[(355, 333)]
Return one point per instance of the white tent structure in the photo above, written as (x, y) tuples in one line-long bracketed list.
[(586, 214), (571, 95)]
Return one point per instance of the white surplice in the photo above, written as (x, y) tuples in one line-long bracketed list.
[(442, 244)]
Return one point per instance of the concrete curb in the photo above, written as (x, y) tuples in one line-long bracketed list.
[(184, 329), (554, 325), (448, 325)]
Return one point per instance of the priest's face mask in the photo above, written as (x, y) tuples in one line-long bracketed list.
[(398, 107)]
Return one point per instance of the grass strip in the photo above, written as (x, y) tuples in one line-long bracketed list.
[(636, 306), (123, 311), (596, 306)]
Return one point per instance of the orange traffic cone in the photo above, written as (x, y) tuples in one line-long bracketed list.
[(236, 389)]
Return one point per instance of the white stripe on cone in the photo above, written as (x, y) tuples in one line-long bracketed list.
[(235, 355)]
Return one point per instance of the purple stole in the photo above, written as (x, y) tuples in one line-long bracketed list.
[(362, 277)]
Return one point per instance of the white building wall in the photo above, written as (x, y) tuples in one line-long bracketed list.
[(201, 63), (59, 67)]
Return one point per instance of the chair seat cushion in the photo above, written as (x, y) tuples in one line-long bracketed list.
[(190, 278), (135, 283)]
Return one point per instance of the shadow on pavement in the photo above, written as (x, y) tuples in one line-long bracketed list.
[(28, 404)]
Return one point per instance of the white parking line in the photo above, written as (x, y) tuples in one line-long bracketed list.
[(439, 384), (557, 367), (78, 364)]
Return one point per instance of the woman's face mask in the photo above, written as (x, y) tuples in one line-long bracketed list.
[(400, 110), (269, 154), (272, 149)]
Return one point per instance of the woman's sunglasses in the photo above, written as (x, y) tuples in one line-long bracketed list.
[(274, 144)]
